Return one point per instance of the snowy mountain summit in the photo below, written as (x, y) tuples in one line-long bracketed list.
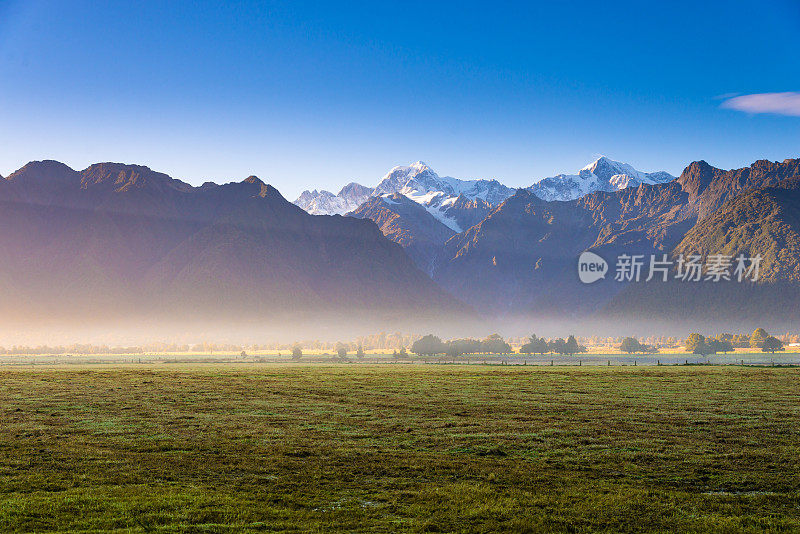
[(603, 174), (326, 203), (438, 194)]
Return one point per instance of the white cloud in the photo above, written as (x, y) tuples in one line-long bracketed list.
[(779, 103)]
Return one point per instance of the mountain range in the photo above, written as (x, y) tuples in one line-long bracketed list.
[(452, 205), (516, 256), (522, 259), (420, 183), (120, 241)]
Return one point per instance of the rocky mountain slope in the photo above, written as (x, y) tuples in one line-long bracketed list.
[(763, 221), (408, 224), (522, 259)]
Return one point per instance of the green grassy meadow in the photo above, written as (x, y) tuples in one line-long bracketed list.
[(419, 448)]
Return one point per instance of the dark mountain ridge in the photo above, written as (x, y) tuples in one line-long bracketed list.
[(119, 241)]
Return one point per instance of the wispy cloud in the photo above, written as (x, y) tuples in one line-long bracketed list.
[(778, 103)]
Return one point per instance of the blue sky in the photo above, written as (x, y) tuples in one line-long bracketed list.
[(314, 95)]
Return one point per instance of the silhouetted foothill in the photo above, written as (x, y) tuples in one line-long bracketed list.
[(117, 240)]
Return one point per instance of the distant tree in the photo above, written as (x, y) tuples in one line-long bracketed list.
[(494, 344), (341, 350), (758, 337), (243, 354), (730, 340), (540, 346), (530, 346), (631, 345), (395, 355), (429, 345), (527, 348), (360, 353), (572, 346), (297, 352), (771, 344), (558, 346), (457, 347), (741, 340), (723, 345), (453, 349), (713, 346), (694, 341), (703, 347), (403, 354)]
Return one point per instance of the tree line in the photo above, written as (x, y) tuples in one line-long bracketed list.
[(759, 339), (431, 345)]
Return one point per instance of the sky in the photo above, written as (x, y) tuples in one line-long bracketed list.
[(315, 95)]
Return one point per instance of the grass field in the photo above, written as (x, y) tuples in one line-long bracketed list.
[(400, 447)]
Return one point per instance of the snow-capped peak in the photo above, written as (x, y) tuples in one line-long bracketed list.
[(324, 202), (417, 182), (603, 174), (415, 177), (604, 168), (438, 194)]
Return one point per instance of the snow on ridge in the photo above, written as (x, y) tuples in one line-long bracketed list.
[(324, 202), (438, 194), (603, 174)]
